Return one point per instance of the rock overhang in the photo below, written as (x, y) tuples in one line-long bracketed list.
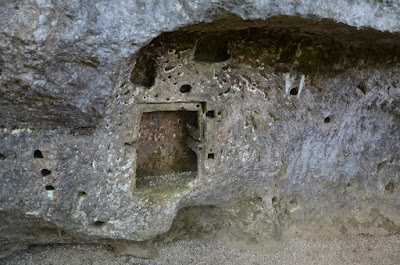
[(291, 119)]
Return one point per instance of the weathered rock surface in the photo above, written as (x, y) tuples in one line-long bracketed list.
[(258, 120)]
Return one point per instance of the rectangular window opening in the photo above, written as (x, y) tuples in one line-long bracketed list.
[(167, 148)]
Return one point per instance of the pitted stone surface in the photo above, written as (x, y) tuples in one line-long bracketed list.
[(298, 134)]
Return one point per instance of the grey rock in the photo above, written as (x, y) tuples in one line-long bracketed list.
[(293, 110)]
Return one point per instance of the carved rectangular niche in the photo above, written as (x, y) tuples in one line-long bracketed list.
[(169, 144)]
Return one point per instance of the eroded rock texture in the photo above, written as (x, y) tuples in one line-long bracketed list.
[(249, 121)]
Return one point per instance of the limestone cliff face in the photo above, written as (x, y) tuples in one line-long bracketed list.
[(280, 118)]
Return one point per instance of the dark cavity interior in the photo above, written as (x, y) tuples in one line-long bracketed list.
[(162, 146)]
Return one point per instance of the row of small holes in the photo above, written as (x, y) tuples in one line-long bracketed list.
[(46, 172), (211, 114), (38, 154)]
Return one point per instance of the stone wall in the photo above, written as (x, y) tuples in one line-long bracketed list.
[(253, 121)]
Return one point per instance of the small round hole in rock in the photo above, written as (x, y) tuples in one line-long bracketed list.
[(211, 156), (37, 154), (274, 200), (185, 89), (98, 223), (45, 172), (294, 91), (49, 188), (2, 157), (327, 120)]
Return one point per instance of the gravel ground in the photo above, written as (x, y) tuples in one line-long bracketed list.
[(344, 250)]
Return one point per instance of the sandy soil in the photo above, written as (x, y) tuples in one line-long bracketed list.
[(344, 250)]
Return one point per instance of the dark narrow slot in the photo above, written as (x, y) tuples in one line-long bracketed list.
[(98, 223)]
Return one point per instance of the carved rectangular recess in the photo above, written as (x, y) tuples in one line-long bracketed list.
[(169, 144)]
